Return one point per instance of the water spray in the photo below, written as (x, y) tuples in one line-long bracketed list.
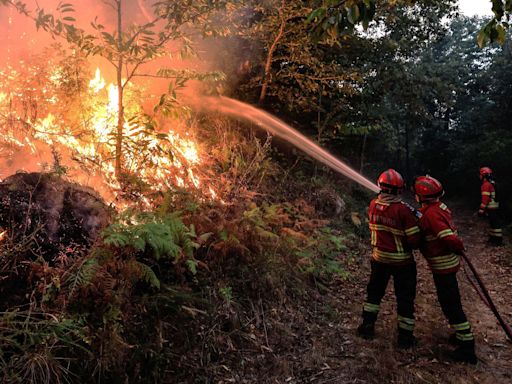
[(279, 128)]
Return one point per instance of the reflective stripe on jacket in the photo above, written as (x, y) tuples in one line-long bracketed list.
[(394, 230), (441, 246)]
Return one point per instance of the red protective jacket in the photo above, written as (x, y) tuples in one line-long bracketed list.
[(394, 230), (488, 197), (441, 246)]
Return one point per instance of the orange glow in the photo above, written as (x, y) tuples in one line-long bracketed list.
[(158, 159)]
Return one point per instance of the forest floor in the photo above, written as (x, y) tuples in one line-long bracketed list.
[(318, 344), (349, 359)]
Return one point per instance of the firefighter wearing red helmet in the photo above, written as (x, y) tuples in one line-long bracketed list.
[(394, 234), (489, 206), (442, 249)]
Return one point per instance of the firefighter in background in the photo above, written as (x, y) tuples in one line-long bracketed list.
[(394, 234), (442, 249), (489, 206)]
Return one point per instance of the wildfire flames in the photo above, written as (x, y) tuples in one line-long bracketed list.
[(159, 159)]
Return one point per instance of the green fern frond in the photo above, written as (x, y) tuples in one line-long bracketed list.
[(84, 275), (144, 273), (164, 236)]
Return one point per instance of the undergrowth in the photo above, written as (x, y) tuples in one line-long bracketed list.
[(164, 294)]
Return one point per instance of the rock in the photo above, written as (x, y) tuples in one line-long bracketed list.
[(56, 212), (329, 202)]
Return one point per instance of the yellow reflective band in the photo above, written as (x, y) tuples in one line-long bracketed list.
[(398, 243), (369, 307), (407, 327), (391, 257), (493, 204), (405, 323), (486, 193), (412, 230), (464, 336), (374, 238), (444, 233), (461, 327), (406, 320), (385, 228), (443, 262), (440, 235)]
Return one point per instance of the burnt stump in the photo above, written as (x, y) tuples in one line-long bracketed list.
[(55, 213)]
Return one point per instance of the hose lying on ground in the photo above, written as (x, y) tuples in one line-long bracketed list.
[(484, 295)]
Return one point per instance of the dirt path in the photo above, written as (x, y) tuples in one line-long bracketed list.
[(335, 355)]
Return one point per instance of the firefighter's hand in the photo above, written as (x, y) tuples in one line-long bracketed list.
[(481, 213)]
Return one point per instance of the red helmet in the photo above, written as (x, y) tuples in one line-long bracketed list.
[(428, 188), (485, 171), (390, 181)]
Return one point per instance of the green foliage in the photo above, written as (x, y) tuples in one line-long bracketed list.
[(41, 347), (157, 236), (335, 17), (496, 29), (82, 275), (226, 293), (322, 255), (143, 272)]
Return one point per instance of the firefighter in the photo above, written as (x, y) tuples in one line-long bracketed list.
[(394, 233), (442, 249), (489, 206)]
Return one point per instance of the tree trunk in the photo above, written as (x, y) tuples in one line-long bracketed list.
[(319, 126), (363, 150), (270, 56), (120, 114), (407, 154)]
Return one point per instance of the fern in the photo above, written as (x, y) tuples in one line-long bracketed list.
[(84, 276), (163, 237), (144, 272), (113, 236)]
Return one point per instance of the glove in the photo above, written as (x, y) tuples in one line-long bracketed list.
[(481, 213)]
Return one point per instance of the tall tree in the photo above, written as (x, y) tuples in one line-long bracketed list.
[(128, 47)]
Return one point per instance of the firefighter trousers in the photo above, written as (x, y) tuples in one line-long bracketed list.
[(495, 231), (448, 295), (404, 281)]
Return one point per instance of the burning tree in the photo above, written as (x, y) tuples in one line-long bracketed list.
[(116, 135), (128, 48)]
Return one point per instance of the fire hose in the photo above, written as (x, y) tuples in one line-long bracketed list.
[(484, 295)]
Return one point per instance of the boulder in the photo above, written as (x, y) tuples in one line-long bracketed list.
[(327, 201)]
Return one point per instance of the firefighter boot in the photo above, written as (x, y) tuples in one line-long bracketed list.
[(406, 339), (452, 339), (367, 328), (465, 353), (495, 240)]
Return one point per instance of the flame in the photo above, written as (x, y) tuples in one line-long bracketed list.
[(158, 159), (3, 235), (97, 83)]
